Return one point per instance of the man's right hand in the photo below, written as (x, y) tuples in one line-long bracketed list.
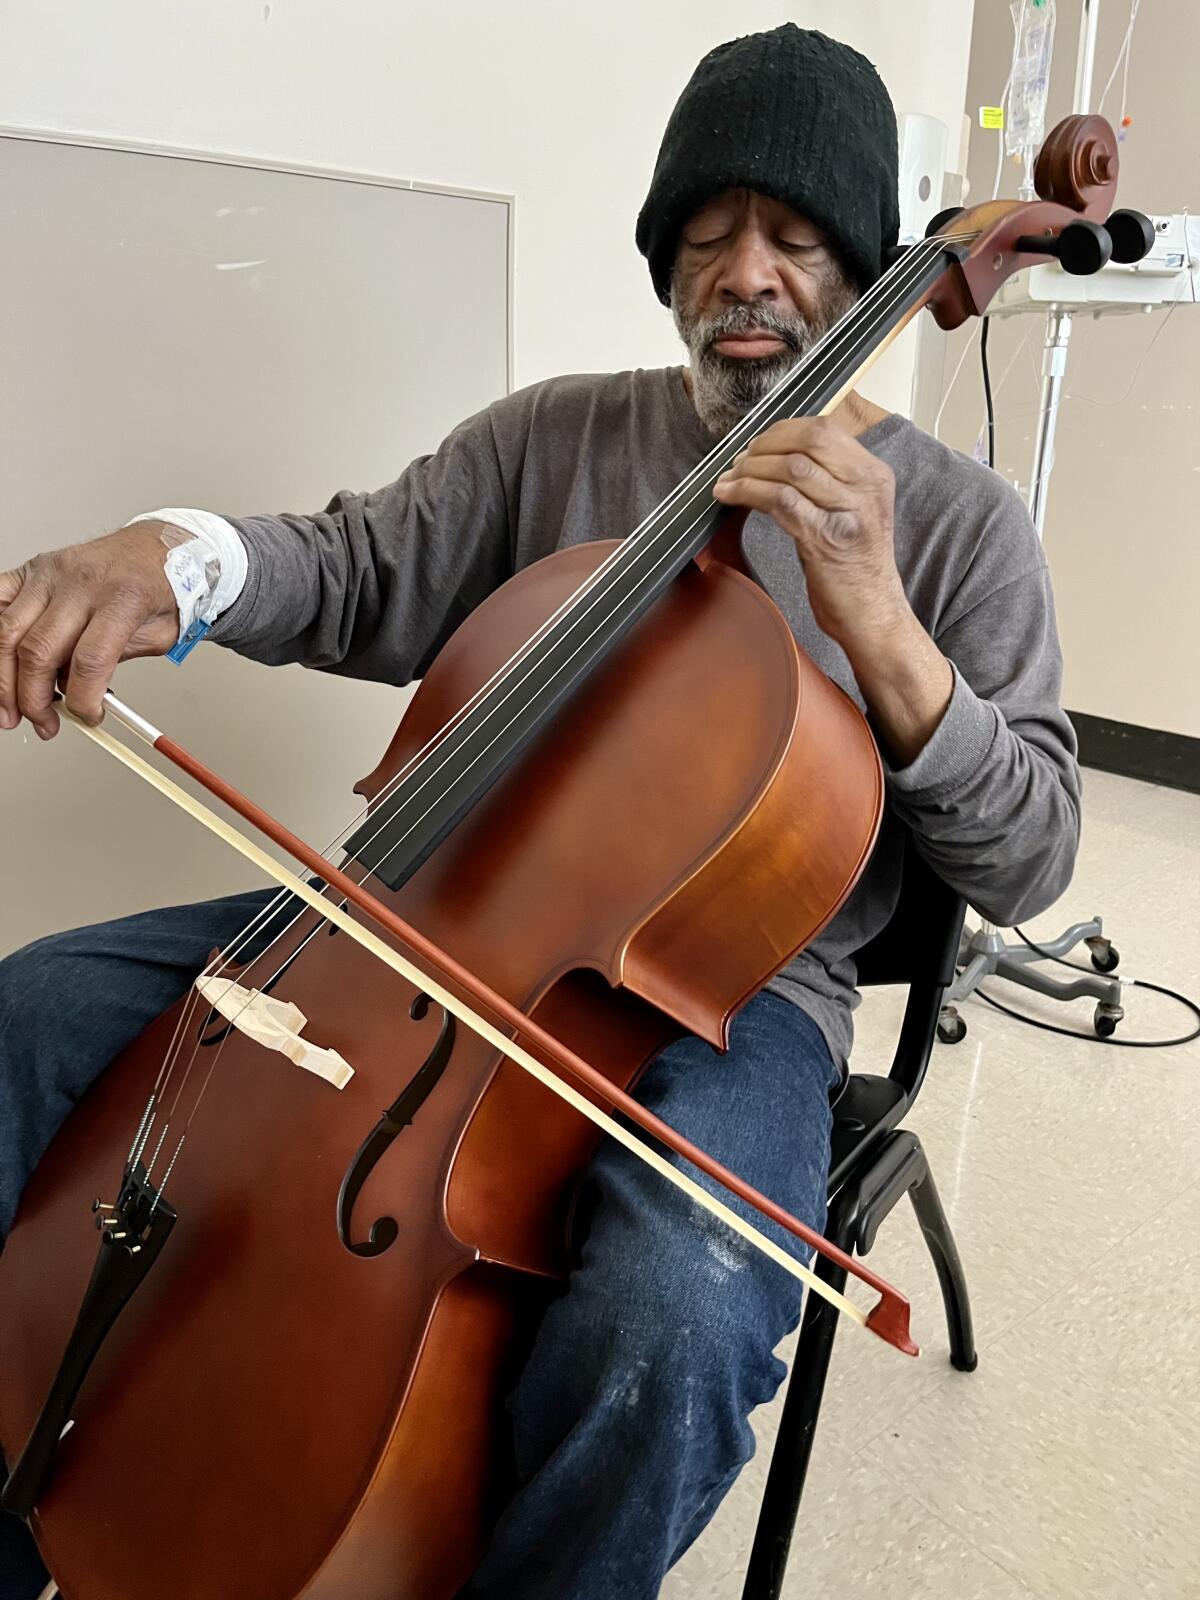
[(81, 611)]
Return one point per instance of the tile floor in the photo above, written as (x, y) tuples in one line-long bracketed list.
[(1068, 1464)]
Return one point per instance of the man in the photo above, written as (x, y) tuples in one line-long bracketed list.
[(913, 577)]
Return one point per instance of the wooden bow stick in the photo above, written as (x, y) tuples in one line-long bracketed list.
[(888, 1319)]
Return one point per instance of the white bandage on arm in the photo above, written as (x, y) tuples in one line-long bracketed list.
[(208, 571)]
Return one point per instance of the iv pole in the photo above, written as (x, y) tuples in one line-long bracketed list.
[(1058, 318), (985, 953)]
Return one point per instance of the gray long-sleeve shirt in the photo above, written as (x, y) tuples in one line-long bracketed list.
[(374, 585)]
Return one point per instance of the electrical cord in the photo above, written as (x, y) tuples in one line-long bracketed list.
[(1094, 1038), (987, 393)]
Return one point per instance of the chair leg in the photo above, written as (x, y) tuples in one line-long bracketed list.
[(798, 1425), (899, 1167), (936, 1229)]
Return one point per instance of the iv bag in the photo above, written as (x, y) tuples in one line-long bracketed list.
[(1025, 125)]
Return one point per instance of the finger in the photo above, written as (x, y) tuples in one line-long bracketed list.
[(815, 482), (46, 647), (825, 441), (99, 651), (16, 619), (10, 585), (795, 515)]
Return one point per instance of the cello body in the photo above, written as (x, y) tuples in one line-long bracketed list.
[(278, 1416)]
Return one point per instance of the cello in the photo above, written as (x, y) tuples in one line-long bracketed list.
[(268, 1393)]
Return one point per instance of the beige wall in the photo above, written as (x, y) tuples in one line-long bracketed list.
[(1121, 519), (561, 105)]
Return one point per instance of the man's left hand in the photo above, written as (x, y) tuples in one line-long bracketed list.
[(835, 499)]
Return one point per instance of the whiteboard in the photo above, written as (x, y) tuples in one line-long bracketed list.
[(203, 331)]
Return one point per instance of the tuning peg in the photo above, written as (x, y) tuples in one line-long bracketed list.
[(1132, 235), (1081, 247)]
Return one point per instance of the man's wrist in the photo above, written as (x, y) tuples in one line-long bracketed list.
[(218, 537), (904, 678)]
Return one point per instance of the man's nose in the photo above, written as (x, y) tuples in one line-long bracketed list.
[(749, 270)]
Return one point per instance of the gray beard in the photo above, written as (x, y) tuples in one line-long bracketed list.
[(726, 388)]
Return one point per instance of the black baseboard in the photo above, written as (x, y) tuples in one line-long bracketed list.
[(1172, 759)]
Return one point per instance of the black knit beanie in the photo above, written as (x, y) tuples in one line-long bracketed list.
[(794, 115)]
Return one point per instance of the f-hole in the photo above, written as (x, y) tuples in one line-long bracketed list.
[(385, 1230)]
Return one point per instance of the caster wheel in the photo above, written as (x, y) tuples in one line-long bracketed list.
[(1105, 956), (951, 1028), (1106, 1019)]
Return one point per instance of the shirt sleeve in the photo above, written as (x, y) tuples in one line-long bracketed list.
[(993, 798), (374, 585)]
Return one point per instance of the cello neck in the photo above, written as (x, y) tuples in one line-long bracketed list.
[(817, 383), (436, 792)]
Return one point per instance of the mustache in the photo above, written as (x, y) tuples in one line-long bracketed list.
[(796, 333)]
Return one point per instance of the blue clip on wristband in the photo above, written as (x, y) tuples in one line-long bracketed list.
[(180, 652)]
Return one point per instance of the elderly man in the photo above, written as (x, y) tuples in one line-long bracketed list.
[(910, 574)]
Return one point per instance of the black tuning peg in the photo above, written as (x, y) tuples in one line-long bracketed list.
[(1132, 235), (1081, 247)]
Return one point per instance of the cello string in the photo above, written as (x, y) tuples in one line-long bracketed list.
[(627, 553), (466, 747), (661, 558), (644, 1149), (881, 301), (214, 967), (231, 1021), (864, 317), (226, 957), (815, 362)]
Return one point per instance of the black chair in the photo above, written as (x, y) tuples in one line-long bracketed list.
[(874, 1162)]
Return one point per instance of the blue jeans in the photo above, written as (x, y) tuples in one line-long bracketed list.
[(630, 1417)]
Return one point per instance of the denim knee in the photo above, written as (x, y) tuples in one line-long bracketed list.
[(689, 1296), (26, 985)]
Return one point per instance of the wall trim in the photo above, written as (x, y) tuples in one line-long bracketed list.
[(1154, 756), (227, 158)]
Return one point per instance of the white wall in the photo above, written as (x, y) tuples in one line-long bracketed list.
[(561, 104)]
